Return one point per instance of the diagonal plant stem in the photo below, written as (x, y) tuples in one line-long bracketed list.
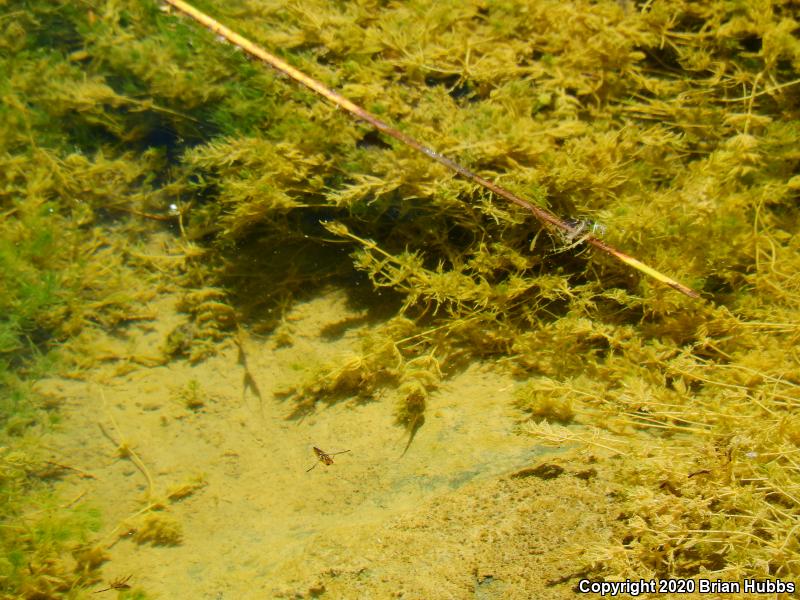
[(543, 215)]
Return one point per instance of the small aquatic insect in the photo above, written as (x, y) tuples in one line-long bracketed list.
[(582, 230), (118, 584), (324, 457)]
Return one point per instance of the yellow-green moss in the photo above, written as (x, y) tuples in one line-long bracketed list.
[(672, 124)]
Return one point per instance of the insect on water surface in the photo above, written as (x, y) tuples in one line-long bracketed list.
[(120, 583), (324, 457)]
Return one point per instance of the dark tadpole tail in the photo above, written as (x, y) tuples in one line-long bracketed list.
[(248, 381), (412, 431)]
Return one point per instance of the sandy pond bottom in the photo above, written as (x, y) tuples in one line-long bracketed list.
[(452, 518)]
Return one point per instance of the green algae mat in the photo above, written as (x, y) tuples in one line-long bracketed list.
[(206, 271)]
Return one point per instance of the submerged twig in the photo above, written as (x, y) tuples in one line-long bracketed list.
[(125, 451), (543, 215)]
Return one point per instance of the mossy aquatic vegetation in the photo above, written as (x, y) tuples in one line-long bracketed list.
[(211, 318), (159, 529), (544, 216), (645, 153), (41, 544), (191, 395), (152, 524), (671, 124)]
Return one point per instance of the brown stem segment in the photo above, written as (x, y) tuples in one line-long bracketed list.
[(543, 215)]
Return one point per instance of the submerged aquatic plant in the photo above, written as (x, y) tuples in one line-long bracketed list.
[(674, 124), (542, 214), (668, 122)]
